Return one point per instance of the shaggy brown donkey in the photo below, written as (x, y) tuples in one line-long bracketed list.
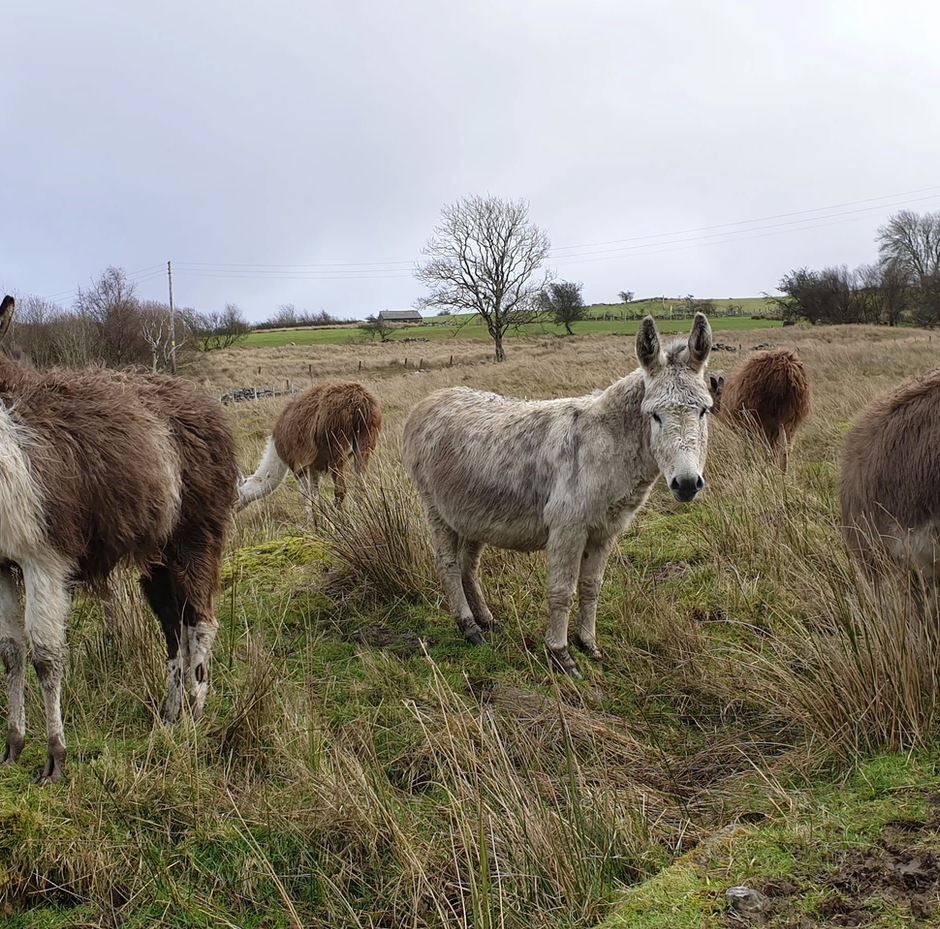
[(99, 468), (768, 395), (890, 489), (315, 433)]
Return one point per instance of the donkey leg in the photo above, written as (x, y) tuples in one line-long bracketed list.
[(470, 554), (313, 489), (339, 481), (564, 550), (13, 653), (197, 578), (447, 557), (201, 633), (160, 591), (783, 449), (47, 612), (593, 565), (303, 485)]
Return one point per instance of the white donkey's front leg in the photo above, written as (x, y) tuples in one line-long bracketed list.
[(13, 654), (564, 550), (47, 613), (593, 564)]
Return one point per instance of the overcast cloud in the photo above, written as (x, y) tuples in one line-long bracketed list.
[(331, 133)]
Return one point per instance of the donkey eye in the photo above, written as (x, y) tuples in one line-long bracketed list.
[(657, 419)]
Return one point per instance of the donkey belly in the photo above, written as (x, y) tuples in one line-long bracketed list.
[(526, 533)]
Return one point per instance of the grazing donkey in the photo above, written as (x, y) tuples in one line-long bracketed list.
[(890, 488), (768, 395), (565, 476), (315, 433), (99, 468)]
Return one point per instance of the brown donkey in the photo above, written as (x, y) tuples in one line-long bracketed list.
[(315, 433), (890, 490), (768, 395), (99, 468)]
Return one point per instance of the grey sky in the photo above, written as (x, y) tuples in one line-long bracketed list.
[(298, 133)]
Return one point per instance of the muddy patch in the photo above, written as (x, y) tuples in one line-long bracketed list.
[(898, 872), (403, 644)]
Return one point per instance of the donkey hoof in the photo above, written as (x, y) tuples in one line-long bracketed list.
[(55, 764), (562, 661), (475, 637), (490, 625), (588, 648), (14, 746)]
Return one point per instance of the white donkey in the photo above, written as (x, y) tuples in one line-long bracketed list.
[(565, 476)]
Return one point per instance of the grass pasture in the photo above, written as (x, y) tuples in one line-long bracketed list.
[(450, 328), (761, 717)]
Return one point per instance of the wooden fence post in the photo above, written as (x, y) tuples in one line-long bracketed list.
[(360, 364)]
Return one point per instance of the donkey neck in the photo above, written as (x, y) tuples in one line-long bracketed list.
[(618, 408)]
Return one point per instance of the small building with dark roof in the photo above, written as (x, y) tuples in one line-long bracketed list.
[(401, 316)]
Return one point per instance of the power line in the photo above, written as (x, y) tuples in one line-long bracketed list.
[(758, 219), (648, 244), (393, 266)]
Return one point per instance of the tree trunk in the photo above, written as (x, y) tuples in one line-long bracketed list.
[(500, 354), (568, 329)]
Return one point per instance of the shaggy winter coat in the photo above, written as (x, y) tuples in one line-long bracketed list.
[(768, 395), (100, 468), (562, 475), (316, 433), (890, 488)]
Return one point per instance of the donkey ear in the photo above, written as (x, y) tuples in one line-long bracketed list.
[(6, 315), (648, 351), (715, 383), (700, 342)]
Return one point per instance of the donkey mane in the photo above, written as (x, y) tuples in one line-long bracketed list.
[(100, 468)]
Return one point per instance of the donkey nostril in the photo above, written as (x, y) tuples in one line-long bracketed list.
[(674, 484), (699, 483)]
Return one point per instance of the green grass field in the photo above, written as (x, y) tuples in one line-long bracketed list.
[(458, 327)]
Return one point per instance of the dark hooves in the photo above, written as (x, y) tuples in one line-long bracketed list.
[(563, 662), (55, 764), (13, 748), (588, 648), (475, 637)]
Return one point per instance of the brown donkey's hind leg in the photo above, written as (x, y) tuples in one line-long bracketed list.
[(160, 590), (197, 579), (782, 449)]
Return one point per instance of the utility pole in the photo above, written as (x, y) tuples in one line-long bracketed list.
[(169, 275)]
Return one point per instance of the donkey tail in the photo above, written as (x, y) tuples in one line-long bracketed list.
[(270, 473)]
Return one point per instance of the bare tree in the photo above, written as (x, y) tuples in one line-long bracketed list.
[(563, 301), (886, 287), (376, 326), (484, 257), (626, 296), (218, 330), (155, 326), (911, 241)]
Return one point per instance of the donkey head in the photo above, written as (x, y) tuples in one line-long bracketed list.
[(676, 402), (716, 386), (6, 315)]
